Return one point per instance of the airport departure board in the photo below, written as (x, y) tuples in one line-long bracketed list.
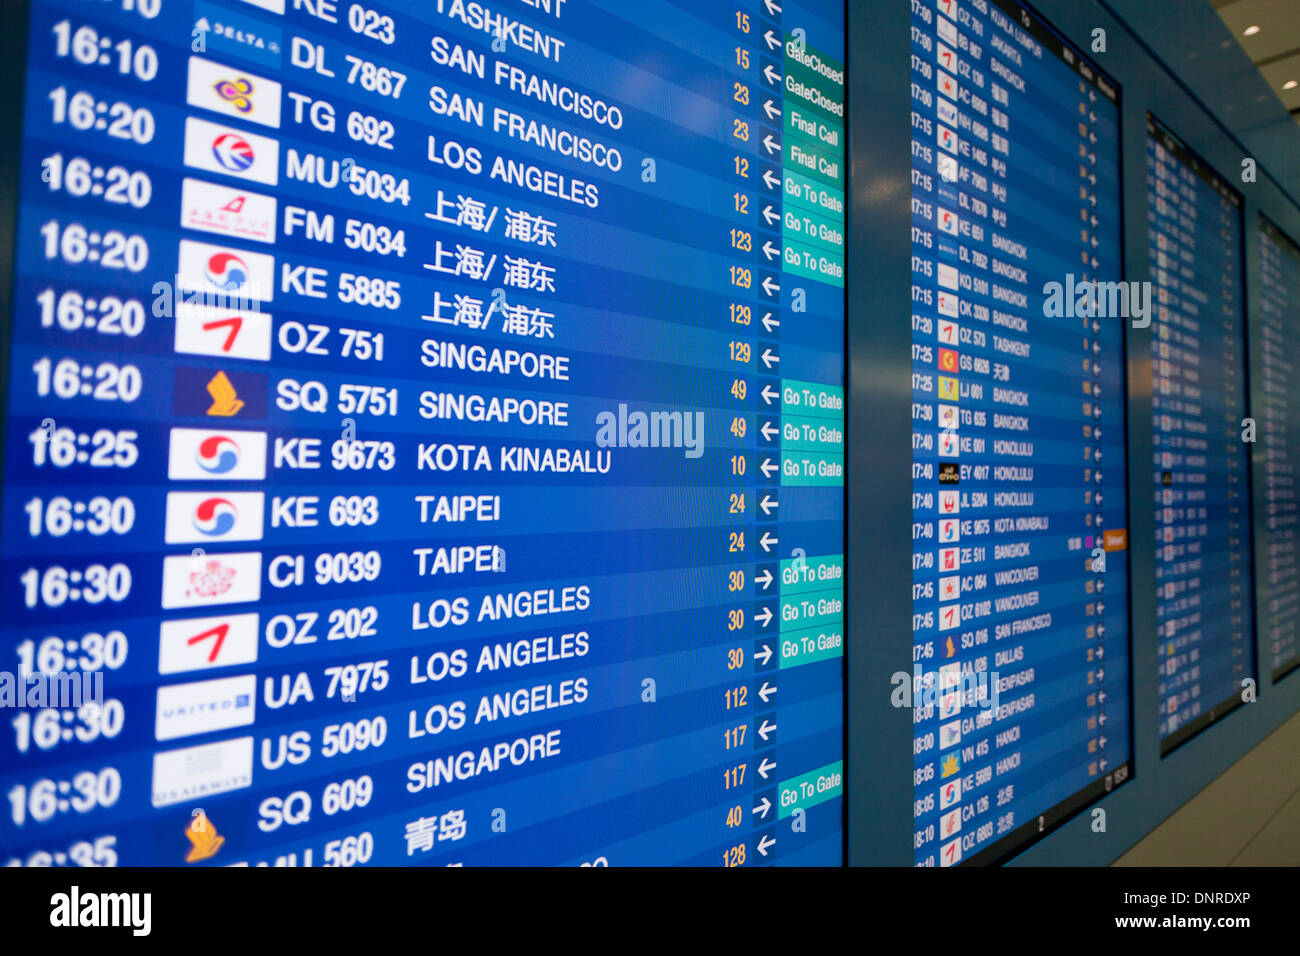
[(1020, 576), (1201, 490), (425, 436), (1279, 441)]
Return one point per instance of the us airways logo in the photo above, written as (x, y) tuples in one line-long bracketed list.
[(193, 773), (202, 454), (231, 212), (213, 516), (127, 910)]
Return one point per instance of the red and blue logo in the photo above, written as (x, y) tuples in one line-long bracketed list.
[(227, 271), (215, 516), (217, 455), (233, 152)]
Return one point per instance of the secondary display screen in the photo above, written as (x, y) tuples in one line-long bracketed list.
[(1204, 618), (425, 437), (1020, 577), (1279, 313)]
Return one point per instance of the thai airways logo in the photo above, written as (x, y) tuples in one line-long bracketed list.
[(205, 516), (234, 92), (218, 148), (205, 454)]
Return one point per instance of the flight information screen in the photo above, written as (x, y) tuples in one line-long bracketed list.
[(1279, 316), (425, 434), (1020, 577), (1201, 493)]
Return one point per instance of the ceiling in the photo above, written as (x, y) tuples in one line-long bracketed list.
[(1274, 48)]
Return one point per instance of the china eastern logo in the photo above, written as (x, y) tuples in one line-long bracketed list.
[(223, 149)]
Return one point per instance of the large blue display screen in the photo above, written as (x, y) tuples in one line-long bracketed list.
[(1204, 616), (1020, 572), (425, 434)]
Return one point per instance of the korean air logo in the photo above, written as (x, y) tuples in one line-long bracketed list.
[(215, 516), (233, 152), (217, 455), (227, 271), (238, 93)]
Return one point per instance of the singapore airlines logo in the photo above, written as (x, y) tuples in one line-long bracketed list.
[(225, 400)]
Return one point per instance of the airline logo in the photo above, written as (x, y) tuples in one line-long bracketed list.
[(206, 642), (202, 580), (220, 394), (950, 854), (947, 85), (949, 278), (950, 587), (231, 212), (950, 734), (204, 839), (220, 269), (948, 140), (947, 331), (949, 617), (192, 773), (204, 454), (950, 767), (948, 418), (949, 473), (197, 516), (950, 824), (949, 502), (949, 706), (946, 111), (233, 92), (948, 361), (947, 30), (203, 706), (948, 445), (949, 530), (225, 333), (947, 389), (949, 560), (949, 794), (948, 304), (227, 33), (949, 169), (217, 148), (949, 222), (949, 676)]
